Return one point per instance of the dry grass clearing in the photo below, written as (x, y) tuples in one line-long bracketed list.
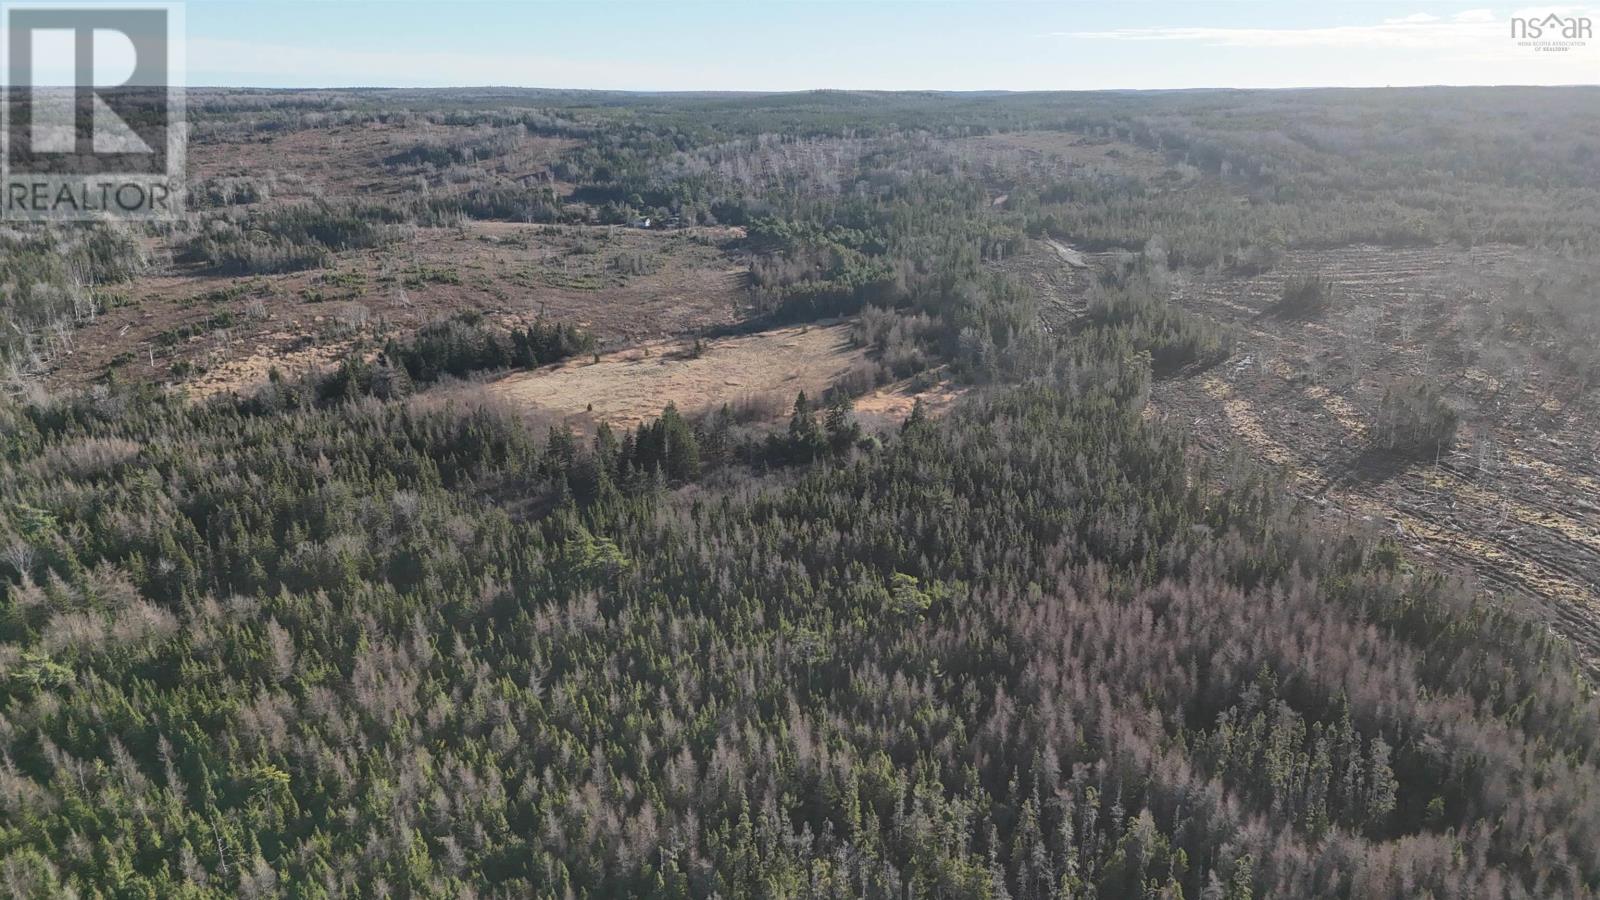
[(894, 402), (629, 386), (244, 374)]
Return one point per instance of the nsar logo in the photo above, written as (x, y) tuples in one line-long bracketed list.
[(1553, 32)]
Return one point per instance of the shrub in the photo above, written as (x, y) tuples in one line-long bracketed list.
[(859, 379), (292, 238), (635, 263), (1414, 419), (1304, 297), (545, 342), (466, 343)]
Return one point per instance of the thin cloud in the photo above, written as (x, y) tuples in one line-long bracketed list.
[(1471, 28)]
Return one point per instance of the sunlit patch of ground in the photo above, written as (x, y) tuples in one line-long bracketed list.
[(629, 386)]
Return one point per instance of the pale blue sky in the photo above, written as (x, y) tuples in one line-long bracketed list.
[(907, 44)]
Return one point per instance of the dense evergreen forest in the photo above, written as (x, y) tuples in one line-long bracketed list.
[(344, 638)]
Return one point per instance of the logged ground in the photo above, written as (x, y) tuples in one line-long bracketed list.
[(219, 333), (211, 333), (1517, 500), (353, 161), (1060, 277)]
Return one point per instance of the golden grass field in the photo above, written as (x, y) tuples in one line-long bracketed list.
[(626, 387)]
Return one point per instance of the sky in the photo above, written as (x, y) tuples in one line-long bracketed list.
[(782, 45)]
